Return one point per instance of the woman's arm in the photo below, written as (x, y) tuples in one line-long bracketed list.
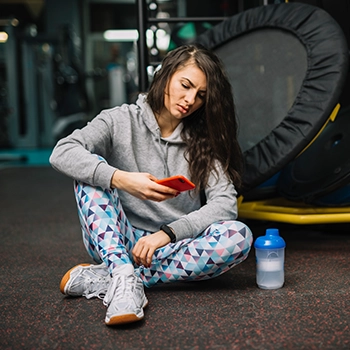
[(77, 154), (221, 205)]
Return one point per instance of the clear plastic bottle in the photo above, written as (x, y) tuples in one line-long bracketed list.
[(269, 252)]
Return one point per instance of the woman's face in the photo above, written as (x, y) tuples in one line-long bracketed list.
[(185, 92)]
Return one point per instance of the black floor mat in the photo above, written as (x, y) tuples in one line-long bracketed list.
[(41, 240)]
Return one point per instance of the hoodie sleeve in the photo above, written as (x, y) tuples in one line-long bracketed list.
[(221, 206), (76, 154)]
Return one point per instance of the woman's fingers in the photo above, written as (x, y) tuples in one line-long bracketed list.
[(146, 246), (144, 257)]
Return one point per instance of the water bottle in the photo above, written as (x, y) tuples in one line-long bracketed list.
[(269, 251)]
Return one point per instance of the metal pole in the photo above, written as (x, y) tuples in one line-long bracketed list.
[(142, 51)]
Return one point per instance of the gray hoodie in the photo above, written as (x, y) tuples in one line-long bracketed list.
[(128, 138)]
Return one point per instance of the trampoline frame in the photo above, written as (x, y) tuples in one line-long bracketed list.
[(327, 65)]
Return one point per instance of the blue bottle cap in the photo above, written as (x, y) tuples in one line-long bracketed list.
[(271, 240)]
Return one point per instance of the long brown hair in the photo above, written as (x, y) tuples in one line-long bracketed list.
[(210, 132)]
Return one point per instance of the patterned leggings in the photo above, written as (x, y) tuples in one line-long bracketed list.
[(109, 237)]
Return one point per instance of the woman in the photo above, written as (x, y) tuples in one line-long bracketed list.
[(185, 125)]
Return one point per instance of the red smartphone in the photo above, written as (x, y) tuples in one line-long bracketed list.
[(177, 182)]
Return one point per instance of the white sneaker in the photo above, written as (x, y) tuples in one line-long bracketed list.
[(86, 280), (125, 298)]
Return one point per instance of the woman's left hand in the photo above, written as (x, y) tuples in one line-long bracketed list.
[(146, 246)]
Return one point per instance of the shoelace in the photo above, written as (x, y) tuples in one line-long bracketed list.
[(96, 288), (119, 287)]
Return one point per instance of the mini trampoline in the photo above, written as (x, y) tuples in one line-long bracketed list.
[(287, 64)]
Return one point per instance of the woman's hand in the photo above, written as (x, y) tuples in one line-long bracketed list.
[(142, 186), (146, 246)]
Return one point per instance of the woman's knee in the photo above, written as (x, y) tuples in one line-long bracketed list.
[(232, 227), (235, 235), (82, 189), (94, 198)]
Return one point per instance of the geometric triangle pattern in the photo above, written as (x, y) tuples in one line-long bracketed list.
[(109, 237), (219, 248), (107, 234)]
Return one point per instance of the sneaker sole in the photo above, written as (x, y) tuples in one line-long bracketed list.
[(66, 278), (126, 318)]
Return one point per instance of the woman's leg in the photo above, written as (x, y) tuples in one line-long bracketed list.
[(107, 234), (222, 246)]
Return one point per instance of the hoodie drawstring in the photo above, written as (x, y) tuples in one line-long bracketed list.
[(165, 154)]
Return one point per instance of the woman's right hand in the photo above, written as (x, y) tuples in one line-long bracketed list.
[(142, 186)]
